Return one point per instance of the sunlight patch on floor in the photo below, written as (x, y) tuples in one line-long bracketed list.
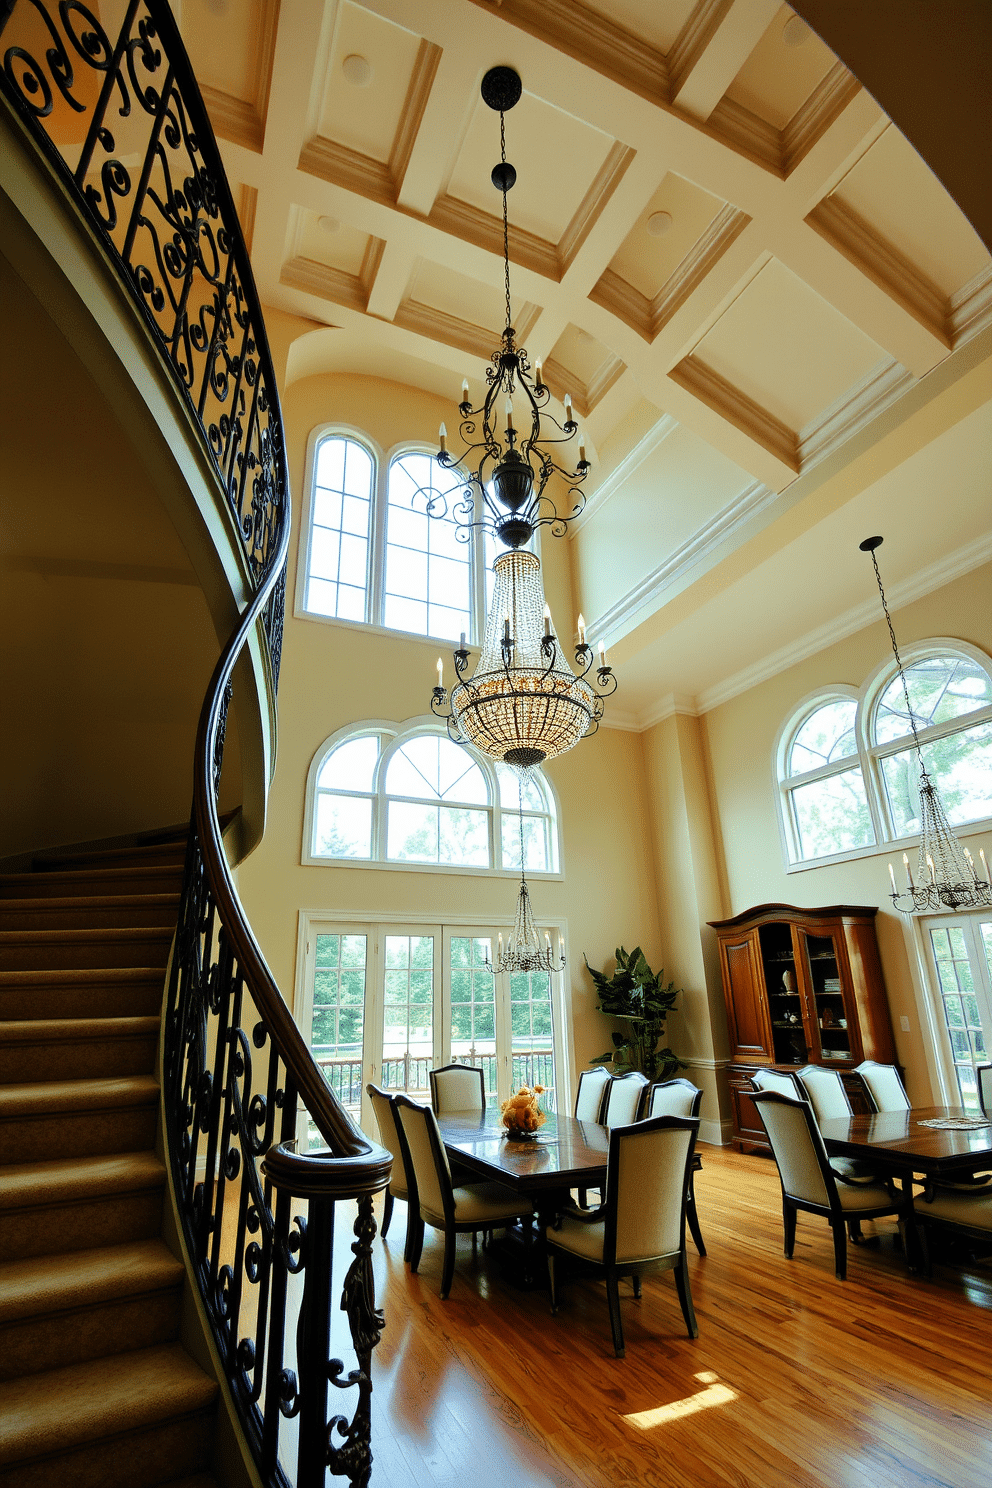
[(714, 1394)]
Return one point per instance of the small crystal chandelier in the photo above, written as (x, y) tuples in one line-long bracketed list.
[(523, 950), (948, 878), (524, 704)]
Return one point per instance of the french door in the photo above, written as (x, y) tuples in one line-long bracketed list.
[(959, 948), (386, 1001)]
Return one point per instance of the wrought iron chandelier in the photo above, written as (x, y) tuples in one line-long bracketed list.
[(948, 878), (524, 703), (523, 950)]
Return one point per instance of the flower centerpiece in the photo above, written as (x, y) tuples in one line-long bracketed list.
[(522, 1115)]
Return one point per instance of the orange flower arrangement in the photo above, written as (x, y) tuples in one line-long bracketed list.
[(521, 1113)]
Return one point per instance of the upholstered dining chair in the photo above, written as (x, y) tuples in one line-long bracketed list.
[(679, 1097), (623, 1097), (886, 1091), (466, 1209), (966, 1215), (824, 1089), (984, 1073), (457, 1087), (589, 1093), (402, 1184), (769, 1079), (641, 1225), (809, 1182)]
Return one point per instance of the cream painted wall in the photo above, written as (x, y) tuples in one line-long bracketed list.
[(335, 674), (739, 738)]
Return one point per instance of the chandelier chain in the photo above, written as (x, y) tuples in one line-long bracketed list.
[(506, 227), (895, 652)]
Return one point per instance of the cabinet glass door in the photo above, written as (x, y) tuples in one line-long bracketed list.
[(785, 995), (828, 1011)]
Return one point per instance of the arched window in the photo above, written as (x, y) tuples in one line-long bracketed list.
[(846, 761), (409, 797), (372, 554)]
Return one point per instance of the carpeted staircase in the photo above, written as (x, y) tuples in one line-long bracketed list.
[(95, 1389)]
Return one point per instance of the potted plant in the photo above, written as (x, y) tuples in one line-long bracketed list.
[(635, 995)]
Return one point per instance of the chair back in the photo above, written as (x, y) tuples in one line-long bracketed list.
[(768, 1079), (797, 1148), (673, 1098), (622, 1101), (457, 1087), (389, 1136), (984, 1073), (589, 1095), (428, 1158), (885, 1089), (824, 1089), (647, 1178)]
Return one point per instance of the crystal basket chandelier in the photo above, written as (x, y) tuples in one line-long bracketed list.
[(524, 703), (948, 878)]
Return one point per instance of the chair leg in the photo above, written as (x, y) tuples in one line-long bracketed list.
[(387, 1213), (692, 1219), (789, 1221), (840, 1248), (412, 1221), (685, 1296), (416, 1242), (552, 1282), (637, 1285), (854, 1232), (613, 1297), (448, 1269)]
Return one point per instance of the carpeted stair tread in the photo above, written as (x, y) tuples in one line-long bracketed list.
[(74, 1030), (44, 1284), (68, 1180), (92, 883), (37, 950), (62, 1096), (87, 993), (66, 1408), (89, 911), (171, 854)]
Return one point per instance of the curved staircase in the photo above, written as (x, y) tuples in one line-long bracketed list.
[(95, 1389)]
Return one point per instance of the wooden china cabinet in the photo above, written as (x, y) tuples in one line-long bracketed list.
[(802, 986)]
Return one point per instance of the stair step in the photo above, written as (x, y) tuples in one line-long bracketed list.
[(73, 1204), (104, 992), (77, 1118), (156, 879), (82, 912), (44, 1049), (133, 1419), (158, 854), (76, 950), (60, 1310)]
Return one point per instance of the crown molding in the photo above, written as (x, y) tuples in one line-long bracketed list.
[(737, 408), (591, 207), (622, 720), (247, 205), (622, 472), (944, 571), (348, 168), (418, 92), (485, 231), (560, 380), (327, 283), (607, 373), (748, 134), (673, 704), (812, 119), (438, 325), (692, 41), (620, 617), (970, 308), (863, 402), (872, 255), (234, 119)]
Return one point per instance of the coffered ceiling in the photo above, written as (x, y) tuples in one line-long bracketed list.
[(720, 247)]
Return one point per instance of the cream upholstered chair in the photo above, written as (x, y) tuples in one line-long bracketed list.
[(769, 1079), (824, 1089), (589, 1093), (968, 1215), (886, 1091), (984, 1073), (680, 1097), (808, 1181), (457, 1087), (641, 1226), (402, 1185), (622, 1100), (466, 1209)]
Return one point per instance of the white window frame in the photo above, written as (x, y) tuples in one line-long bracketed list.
[(381, 461), (869, 755), (399, 734), (943, 1075)]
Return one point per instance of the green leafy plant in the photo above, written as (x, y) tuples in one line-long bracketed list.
[(635, 995)]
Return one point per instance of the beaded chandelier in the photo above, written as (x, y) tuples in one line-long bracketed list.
[(948, 878)]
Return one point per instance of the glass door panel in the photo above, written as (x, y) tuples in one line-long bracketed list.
[(532, 1033), (828, 1001), (408, 1014), (473, 1008), (962, 956), (338, 1017)]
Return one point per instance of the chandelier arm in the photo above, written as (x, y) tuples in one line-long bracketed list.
[(608, 684)]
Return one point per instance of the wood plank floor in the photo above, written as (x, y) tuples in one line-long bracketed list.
[(796, 1380)]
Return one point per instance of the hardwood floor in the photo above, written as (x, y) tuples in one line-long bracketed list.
[(797, 1380)]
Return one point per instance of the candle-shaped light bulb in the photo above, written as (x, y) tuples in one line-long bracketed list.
[(547, 621), (582, 631), (971, 865), (547, 938), (442, 435), (981, 854), (933, 873), (537, 374), (568, 408), (506, 628), (561, 946), (461, 642), (895, 891), (501, 945), (464, 389), (440, 672), (909, 871), (602, 654), (509, 414), (582, 449)]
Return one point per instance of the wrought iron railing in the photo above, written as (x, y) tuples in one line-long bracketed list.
[(123, 124)]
